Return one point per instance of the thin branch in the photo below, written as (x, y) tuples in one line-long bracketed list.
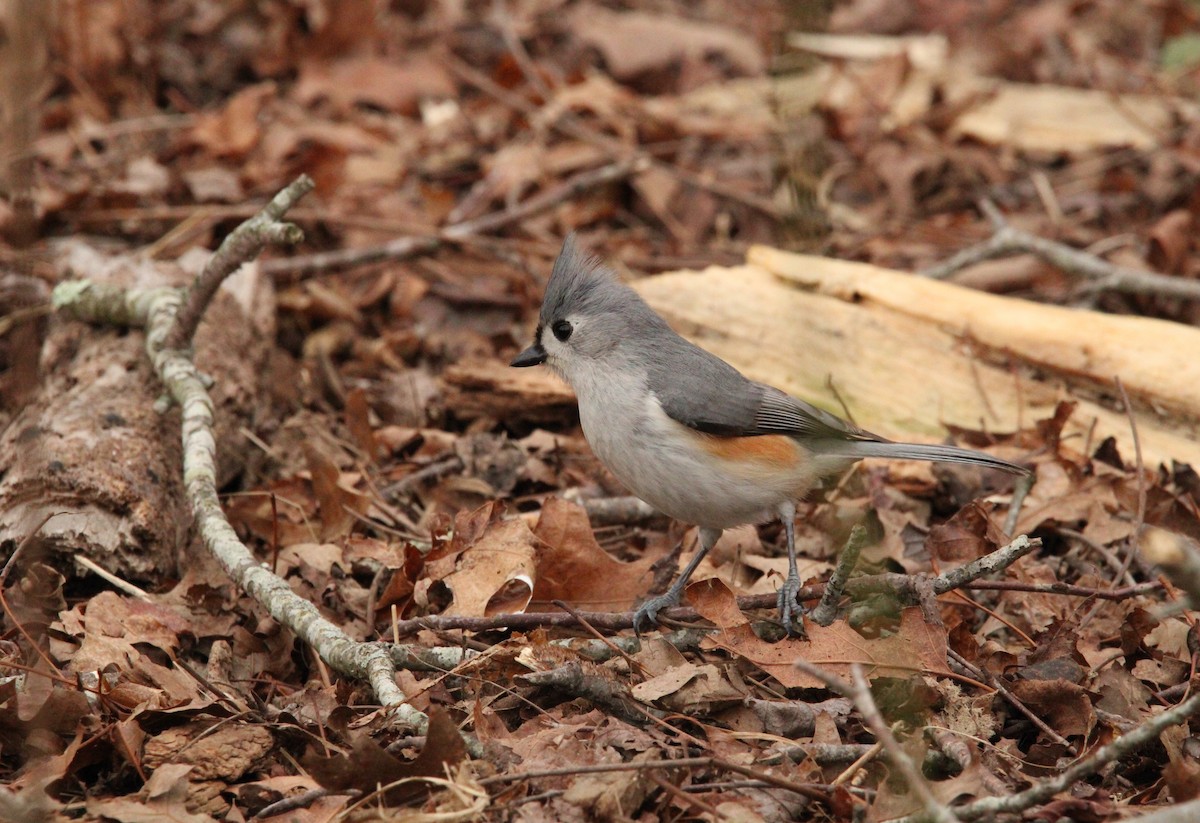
[(571, 187), (241, 246), (1002, 690), (103, 573), (806, 789), (1021, 489), (860, 693), (610, 696), (1147, 732), (401, 248), (1007, 240), (1140, 468), (899, 584), (988, 564), (406, 247)]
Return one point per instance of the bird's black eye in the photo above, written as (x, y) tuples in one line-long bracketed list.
[(562, 330)]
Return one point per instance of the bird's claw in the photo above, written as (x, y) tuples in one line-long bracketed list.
[(648, 611), (790, 608)]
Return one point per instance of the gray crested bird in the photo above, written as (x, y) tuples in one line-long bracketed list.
[(687, 432)]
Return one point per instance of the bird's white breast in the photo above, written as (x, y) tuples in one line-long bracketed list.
[(665, 463)]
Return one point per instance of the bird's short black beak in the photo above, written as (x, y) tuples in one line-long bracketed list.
[(535, 355)]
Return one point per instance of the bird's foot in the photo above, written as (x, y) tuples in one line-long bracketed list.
[(790, 608), (647, 613)]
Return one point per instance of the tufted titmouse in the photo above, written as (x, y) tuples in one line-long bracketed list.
[(684, 430)]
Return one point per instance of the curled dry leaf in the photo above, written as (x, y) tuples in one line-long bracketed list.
[(572, 566), (496, 574), (368, 767)]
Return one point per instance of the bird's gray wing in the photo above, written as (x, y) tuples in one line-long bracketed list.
[(705, 393)]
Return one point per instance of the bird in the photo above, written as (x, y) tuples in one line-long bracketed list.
[(687, 432)]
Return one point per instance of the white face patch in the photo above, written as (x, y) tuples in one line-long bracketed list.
[(561, 355)]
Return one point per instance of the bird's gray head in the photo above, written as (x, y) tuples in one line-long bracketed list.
[(589, 318)]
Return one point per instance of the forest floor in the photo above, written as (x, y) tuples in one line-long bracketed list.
[(380, 457)]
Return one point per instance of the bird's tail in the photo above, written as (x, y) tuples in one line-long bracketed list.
[(918, 451)]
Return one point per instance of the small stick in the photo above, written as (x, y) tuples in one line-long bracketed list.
[(242, 244), (1003, 691), (860, 693), (991, 807), (1104, 276), (105, 574)]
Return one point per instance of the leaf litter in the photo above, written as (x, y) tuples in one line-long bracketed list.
[(401, 471)]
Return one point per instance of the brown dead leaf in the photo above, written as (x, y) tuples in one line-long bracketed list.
[(916, 647), (1170, 240), (1065, 706), (968, 535), (608, 796), (368, 767), (336, 503), (133, 810), (635, 43), (236, 129), (496, 574), (374, 81), (573, 567), (689, 688), (108, 628)]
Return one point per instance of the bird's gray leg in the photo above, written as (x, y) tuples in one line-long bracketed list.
[(648, 611), (789, 605)]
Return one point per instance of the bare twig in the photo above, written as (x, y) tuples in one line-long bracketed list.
[(571, 187), (899, 584), (1068, 589), (634, 665), (1021, 490), (860, 693), (989, 807), (241, 246), (988, 564), (431, 472), (1007, 240), (808, 790), (601, 691), (1140, 468), (401, 248), (101, 572), (615, 511), (301, 801), (406, 247), (1002, 690)]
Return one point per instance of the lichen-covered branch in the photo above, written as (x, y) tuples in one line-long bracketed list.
[(165, 314), (826, 610)]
